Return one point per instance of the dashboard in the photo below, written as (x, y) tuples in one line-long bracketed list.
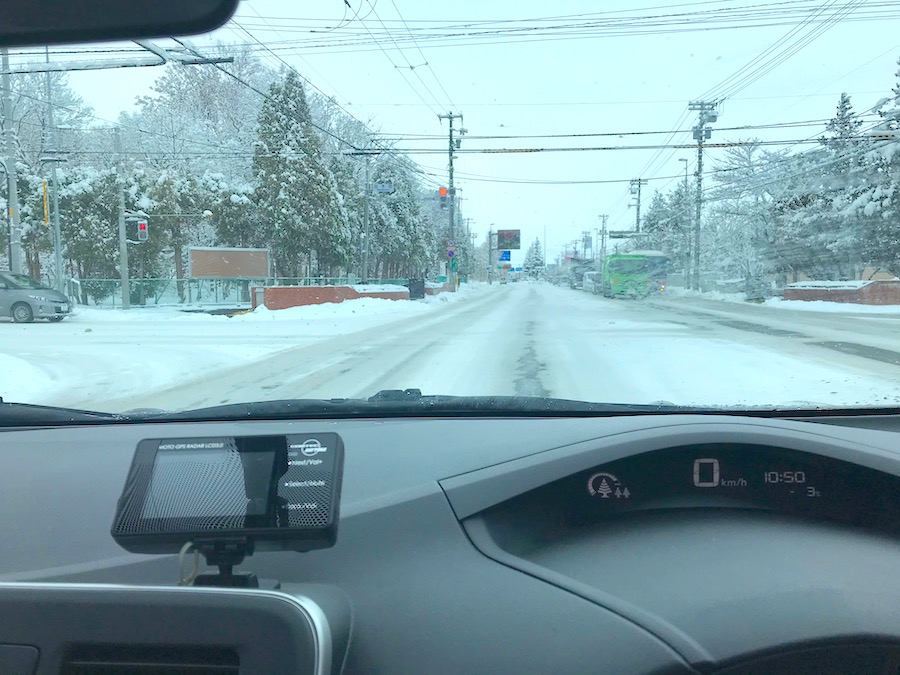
[(633, 545)]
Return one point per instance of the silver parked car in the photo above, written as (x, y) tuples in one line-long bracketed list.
[(25, 299)]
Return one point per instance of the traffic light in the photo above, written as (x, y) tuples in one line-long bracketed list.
[(443, 194), (143, 233)]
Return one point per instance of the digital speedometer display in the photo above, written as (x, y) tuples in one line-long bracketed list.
[(724, 471), (736, 476)]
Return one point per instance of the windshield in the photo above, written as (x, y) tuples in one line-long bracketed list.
[(641, 266), (328, 200), (21, 281)]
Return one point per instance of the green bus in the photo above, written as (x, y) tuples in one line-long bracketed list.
[(634, 274)]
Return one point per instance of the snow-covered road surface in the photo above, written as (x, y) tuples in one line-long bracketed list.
[(515, 339)]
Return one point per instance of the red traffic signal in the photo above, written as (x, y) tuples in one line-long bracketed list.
[(442, 191), (143, 232)]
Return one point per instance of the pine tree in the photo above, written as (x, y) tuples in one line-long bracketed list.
[(296, 192), (533, 265), (869, 196), (843, 128)]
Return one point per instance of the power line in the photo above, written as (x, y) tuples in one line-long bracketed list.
[(400, 51), (422, 54), (297, 54), (360, 122), (601, 148), (776, 61), (397, 68), (746, 127), (325, 131), (765, 15), (713, 92)]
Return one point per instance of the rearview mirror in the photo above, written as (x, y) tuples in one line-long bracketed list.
[(26, 23)]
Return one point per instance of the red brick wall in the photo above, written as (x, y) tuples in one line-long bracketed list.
[(875, 293), (282, 297)]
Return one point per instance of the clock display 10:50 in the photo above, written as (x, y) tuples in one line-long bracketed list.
[(780, 477)]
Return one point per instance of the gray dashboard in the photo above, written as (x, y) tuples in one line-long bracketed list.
[(456, 554)]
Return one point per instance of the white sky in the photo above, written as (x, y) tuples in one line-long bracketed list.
[(595, 85)]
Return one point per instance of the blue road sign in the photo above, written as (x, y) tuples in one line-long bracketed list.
[(504, 256), (451, 254)]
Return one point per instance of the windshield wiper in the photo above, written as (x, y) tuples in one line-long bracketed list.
[(28, 415), (411, 403), (395, 403)]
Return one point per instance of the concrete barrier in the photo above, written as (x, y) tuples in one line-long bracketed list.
[(282, 297), (858, 292)]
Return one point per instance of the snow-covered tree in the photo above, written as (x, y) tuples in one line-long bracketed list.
[(304, 220), (34, 138), (873, 184), (533, 265)]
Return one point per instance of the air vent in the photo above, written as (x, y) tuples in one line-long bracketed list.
[(149, 660)]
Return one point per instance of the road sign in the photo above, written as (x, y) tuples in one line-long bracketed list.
[(451, 253), (504, 256), (383, 187), (450, 243), (507, 239)]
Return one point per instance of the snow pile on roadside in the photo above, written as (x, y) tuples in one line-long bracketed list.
[(833, 307), (136, 314), (463, 291), (678, 292), (360, 306), (801, 305), (810, 285), (25, 379), (379, 288), (105, 354)]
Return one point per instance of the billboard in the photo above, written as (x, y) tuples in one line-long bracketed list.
[(509, 239), (228, 263)]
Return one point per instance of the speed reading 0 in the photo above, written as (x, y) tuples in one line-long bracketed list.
[(706, 472)]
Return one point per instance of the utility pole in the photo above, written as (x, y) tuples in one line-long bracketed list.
[(365, 265), (686, 234), (52, 142), (491, 262), (707, 114), (454, 145), (15, 233), (636, 184), (123, 238), (603, 218)]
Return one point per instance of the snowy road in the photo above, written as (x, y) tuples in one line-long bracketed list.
[(532, 339)]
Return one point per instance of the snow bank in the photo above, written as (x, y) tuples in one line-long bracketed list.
[(379, 288), (107, 354), (22, 377), (463, 291), (845, 285), (679, 292), (834, 307)]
